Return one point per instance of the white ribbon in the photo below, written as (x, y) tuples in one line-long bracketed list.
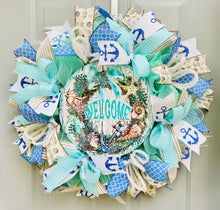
[(189, 135), (174, 70), (80, 43), (133, 168)]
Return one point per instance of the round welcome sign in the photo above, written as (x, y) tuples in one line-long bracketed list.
[(100, 120)]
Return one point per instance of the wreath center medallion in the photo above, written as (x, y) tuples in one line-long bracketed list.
[(106, 111)]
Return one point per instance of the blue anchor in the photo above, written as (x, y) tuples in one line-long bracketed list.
[(154, 19), (24, 81), (86, 193), (109, 165), (114, 52), (47, 102), (104, 147), (140, 33), (117, 131), (186, 154), (185, 50), (73, 171), (57, 41), (21, 141), (163, 111), (195, 139)]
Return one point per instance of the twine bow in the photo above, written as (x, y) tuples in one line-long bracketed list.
[(137, 160), (176, 73), (140, 169)]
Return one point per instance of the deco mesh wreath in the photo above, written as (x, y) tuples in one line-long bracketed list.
[(110, 106)]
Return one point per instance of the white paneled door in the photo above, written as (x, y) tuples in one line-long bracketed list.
[(20, 183)]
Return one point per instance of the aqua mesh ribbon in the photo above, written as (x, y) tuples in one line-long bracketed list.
[(45, 74), (161, 136), (141, 65), (112, 74), (75, 160), (66, 60)]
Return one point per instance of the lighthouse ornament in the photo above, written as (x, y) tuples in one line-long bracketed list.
[(112, 105)]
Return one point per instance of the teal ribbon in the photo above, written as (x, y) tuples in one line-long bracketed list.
[(112, 74), (44, 73), (19, 120), (89, 174), (161, 136), (195, 115), (140, 63)]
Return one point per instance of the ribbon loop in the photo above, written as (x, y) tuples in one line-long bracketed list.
[(141, 66), (74, 162), (44, 73)]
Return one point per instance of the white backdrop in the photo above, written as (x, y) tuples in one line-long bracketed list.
[(20, 183)]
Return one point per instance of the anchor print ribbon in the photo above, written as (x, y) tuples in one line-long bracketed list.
[(44, 73), (189, 135), (161, 136), (22, 82), (145, 26), (112, 53), (186, 157), (76, 161), (109, 164)]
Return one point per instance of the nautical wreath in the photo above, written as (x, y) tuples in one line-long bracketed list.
[(110, 106)]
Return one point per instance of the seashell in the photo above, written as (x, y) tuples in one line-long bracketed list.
[(137, 112), (84, 18), (131, 16)]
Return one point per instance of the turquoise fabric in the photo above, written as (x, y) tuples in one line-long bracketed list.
[(141, 65), (161, 136), (45, 74), (89, 174), (151, 43), (112, 74)]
